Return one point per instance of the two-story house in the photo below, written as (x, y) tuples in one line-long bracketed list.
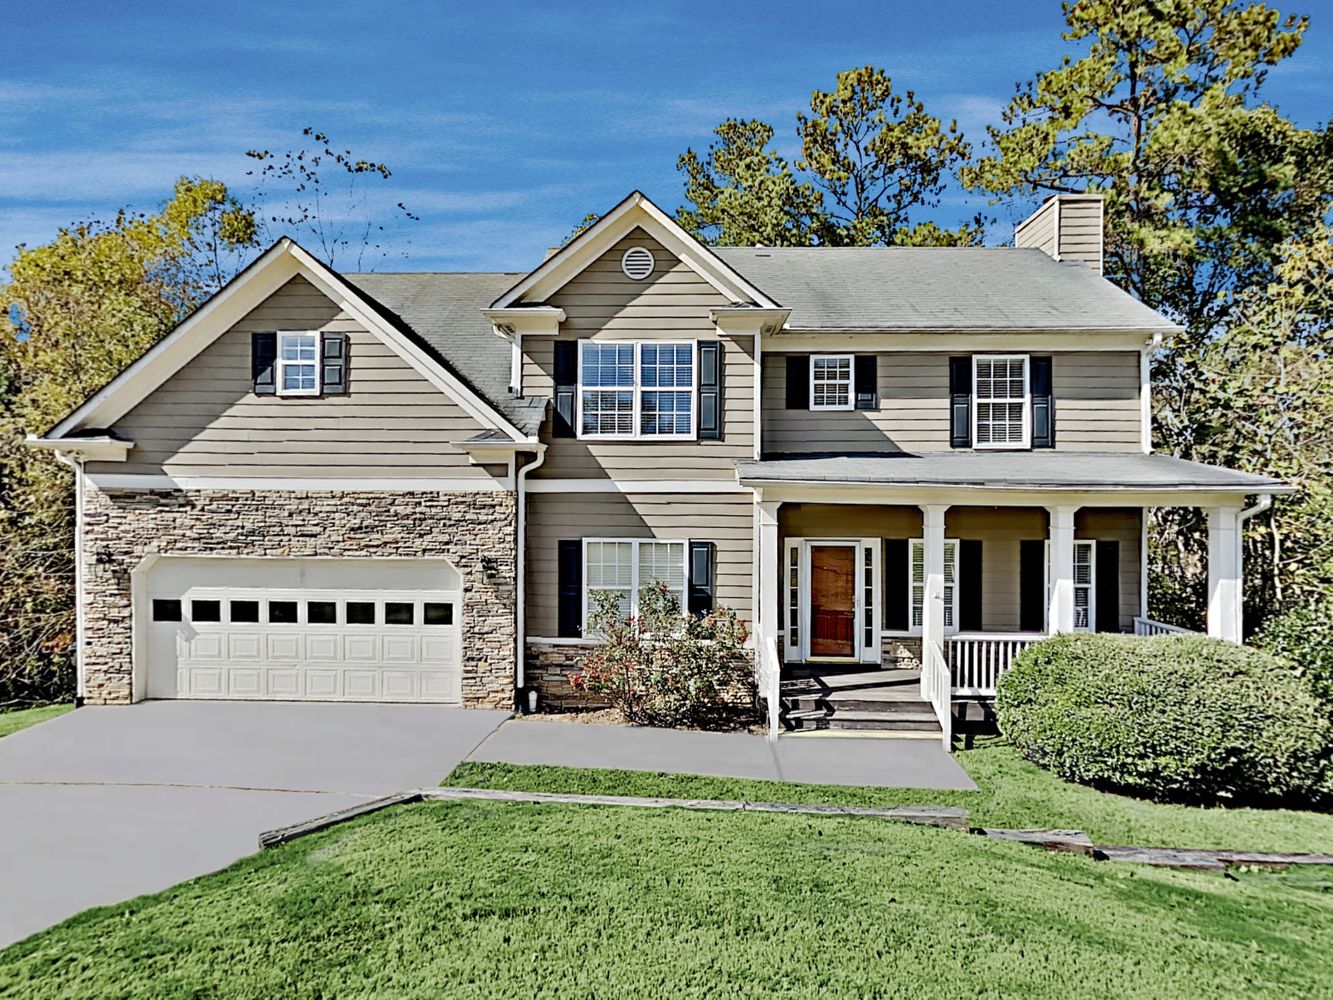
[(406, 487)]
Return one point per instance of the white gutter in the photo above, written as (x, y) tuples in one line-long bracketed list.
[(1264, 502), (76, 463), (520, 564)]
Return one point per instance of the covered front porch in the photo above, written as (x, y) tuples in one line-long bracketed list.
[(950, 580)]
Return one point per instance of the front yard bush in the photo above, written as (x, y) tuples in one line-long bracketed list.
[(1172, 718), (663, 668), (1304, 638)]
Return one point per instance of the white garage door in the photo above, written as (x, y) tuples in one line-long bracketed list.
[(301, 629)]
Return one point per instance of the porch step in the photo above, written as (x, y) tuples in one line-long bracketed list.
[(854, 699)]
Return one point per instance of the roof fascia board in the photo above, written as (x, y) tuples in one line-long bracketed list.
[(815, 491), (249, 289), (90, 449), (265, 275), (353, 303), (961, 342), (635, 210)]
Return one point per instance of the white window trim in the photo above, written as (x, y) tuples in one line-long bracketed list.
[(279, 365), (851, 381), (1091, 586), (634, 544), (1026, 401), (796, 629), (636, 422), (912, 544)]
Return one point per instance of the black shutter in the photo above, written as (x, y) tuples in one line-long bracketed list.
[(710, 391), (263, 358), (566, 385), (569, 580), (865, 378), (1043, 404), (896, 598), (702, 562), (960, 402), (969, 585), (1108, 587), (798, 381), (333, 362), (1032, 585)]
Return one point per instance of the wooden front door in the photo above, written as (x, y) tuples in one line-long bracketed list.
[(832, 600)]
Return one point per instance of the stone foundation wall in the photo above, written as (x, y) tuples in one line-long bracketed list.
[(121, 527), (548, 666)]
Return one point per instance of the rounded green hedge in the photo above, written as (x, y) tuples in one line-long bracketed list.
[(1175, 718)]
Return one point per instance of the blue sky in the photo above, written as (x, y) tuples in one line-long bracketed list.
[(504, 122)]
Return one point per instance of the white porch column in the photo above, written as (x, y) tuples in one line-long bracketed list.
[(1224, 573), (766, 612), (932, 605), (1060, 613)]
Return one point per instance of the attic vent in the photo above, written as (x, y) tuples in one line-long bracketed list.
[(637, 263)]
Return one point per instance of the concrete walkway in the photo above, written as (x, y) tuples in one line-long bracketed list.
[(888, 763), (105, 804)]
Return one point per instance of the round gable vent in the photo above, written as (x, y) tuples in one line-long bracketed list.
[(637, 263)]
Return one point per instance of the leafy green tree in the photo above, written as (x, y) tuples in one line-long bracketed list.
[(1159, 112), (743, 193), (76, 311), (877, 155)]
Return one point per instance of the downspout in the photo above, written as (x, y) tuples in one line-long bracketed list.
[(1264, 502), (76, 464), (520, 558)]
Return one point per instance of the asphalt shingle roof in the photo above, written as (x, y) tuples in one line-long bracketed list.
[(937, 288), (443, 310), (1006, 470)]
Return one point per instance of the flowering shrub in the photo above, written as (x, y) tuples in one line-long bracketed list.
[(663, 668)]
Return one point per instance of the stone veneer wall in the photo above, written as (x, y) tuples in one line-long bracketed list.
[(548, 666), (121, 527)]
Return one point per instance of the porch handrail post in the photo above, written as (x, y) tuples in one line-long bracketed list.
[(1060, 614), (932, 603), (766, 613), (1224, 573)]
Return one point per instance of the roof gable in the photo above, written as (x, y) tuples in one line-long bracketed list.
[(636, 211), (264, 276)]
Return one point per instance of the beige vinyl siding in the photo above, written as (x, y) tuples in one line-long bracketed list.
[(1038, 230), (727, 520), (1123, 525), (206, 421), (1081, 230), (1000, 531), (672, 304), (1096, 406)]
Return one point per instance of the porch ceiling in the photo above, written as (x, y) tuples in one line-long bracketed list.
[(1093, 472)]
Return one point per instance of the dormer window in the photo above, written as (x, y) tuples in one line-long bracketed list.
[(831, 382), (298, 364)]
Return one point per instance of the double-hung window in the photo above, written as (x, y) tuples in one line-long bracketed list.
[(917, 584), (298, 364), (1002, 401), (622, 567), (831, 382), (636, 390), (1084, 578)]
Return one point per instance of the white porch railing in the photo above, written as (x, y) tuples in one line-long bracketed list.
[(937, 689), (1146, 626), (770, 680), (976, 661)]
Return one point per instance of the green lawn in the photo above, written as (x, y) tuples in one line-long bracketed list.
[(1012, 793), (480, 899), (21, 718)]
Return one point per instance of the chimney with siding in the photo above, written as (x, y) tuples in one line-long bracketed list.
[(1068, 227)]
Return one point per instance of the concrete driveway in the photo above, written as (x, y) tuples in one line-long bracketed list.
[(105, 804)]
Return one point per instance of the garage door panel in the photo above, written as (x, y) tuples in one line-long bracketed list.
[(349, 630)]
